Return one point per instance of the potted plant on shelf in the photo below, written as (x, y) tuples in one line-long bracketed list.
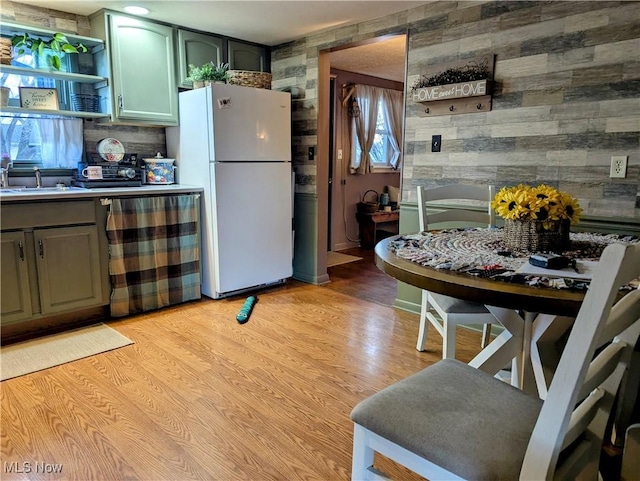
[(207, 73), (48, 50)]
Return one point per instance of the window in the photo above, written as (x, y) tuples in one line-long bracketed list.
[(382, 154), (375, 129), (45, 142), (48, 143)]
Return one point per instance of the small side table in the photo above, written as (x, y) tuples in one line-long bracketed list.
[(371, 223)]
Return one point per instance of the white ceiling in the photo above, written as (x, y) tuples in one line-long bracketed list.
[(265, 22), (384, 59), (272, 23)]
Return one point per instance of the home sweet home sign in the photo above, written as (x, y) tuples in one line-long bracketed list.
[(455, 88)]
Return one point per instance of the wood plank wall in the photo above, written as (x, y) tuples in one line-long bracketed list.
[(566, 97)]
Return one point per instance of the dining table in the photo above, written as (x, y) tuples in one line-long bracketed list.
[(474, 264)]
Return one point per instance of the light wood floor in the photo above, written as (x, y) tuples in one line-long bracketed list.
[(199, 396)]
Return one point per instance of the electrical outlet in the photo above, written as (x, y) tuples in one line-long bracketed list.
[(618, 167)]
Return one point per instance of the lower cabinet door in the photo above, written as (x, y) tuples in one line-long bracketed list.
[(68, 264), (15, 295)]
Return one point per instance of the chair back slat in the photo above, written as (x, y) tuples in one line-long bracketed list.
[(557, 425), (456, 191), (582, 416), (574, 461), (456, 215), (623, 314), (602, 367), (461, 214)]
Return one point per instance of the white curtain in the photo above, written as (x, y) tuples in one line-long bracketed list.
[(369, 98), (393, 103), (61, 142), (365, 125)]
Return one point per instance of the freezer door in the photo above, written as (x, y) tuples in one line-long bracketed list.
[(252, 224), (250, 124)]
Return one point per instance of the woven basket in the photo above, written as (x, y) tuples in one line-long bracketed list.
[(365, 207), (246, 78), (531, 236), (5, 50)]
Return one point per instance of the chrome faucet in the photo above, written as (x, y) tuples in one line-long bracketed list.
[(6, 165), (5, 177), (36, 170)]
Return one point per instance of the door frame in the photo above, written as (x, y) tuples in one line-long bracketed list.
[(324, 155)]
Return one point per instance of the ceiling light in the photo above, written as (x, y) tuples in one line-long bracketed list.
[(136, 10)]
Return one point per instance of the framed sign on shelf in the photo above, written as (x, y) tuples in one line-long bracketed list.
[(39, 98)]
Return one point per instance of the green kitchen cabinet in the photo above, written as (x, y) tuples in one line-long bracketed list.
[(197, 49), (246, 56), (68, 263), (49, 269), (16, 295), (139, 62)]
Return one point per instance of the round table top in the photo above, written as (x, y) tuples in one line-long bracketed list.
[(478, 289)]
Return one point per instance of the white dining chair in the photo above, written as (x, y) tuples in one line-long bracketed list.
[(442, 311), (435, 422)]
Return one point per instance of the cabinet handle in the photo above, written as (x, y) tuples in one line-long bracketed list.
[(41, 245), (120, 102), (21, 250)]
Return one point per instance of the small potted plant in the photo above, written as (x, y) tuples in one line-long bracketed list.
[(50, 50), (207, 73)]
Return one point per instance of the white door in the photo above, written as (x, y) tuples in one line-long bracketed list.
[(250, 124), (252, 224)]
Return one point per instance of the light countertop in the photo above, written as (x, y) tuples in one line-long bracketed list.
[(17, 194)]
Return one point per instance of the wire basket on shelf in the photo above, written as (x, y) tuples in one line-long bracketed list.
[(85, 102), (246, 78)]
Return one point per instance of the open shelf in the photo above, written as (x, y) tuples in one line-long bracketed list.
[(9, 29), (54, 74), (51, 113)]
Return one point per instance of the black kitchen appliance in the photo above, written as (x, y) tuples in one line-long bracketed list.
[(124, 173)]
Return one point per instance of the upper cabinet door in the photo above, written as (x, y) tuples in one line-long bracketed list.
[(143, 71), (197, 49), (244, 56)]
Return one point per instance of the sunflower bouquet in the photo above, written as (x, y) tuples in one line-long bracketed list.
[(542, 203), (536, 218)]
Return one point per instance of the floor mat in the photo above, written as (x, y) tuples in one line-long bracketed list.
[(336, 258), (44, 352)]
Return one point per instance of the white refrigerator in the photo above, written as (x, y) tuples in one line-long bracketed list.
[(235, 142)]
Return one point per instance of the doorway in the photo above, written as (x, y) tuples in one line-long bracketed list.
[(379, 62)]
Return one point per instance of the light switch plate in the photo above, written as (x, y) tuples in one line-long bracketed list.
[(436, 143)]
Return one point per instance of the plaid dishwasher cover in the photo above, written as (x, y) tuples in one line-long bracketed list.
[(154, 252)]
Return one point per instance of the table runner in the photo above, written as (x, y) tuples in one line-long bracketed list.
[(482, 252)]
